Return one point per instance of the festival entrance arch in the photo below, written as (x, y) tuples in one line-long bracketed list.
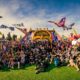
[(42, 35)]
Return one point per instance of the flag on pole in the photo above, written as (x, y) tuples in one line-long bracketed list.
[(54, 37), (23, 30)]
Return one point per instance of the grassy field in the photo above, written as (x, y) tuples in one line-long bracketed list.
[(28, 73)]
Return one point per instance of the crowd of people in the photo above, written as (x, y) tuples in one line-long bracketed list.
[(17, 54)]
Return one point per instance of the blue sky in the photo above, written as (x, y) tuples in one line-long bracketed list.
[(51, 7), (36, 13)]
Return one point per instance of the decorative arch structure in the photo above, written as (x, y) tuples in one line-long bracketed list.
[(42, 35)]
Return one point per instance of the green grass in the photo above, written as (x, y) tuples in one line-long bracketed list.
[(62, 73)]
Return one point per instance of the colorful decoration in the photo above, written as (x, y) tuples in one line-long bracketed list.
[(61, 23)]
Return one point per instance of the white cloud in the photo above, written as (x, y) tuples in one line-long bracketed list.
[(12, 16)]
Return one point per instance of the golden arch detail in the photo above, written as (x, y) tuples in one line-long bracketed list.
[(42, 34)]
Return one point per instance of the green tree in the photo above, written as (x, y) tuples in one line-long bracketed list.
[(14, 37), (9, 36), (3, 37)]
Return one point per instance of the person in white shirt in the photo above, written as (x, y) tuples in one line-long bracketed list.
[(74, 42)]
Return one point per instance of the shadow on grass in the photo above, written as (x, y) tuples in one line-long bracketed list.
[(50, 67), (24, 67), (5, 69)]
